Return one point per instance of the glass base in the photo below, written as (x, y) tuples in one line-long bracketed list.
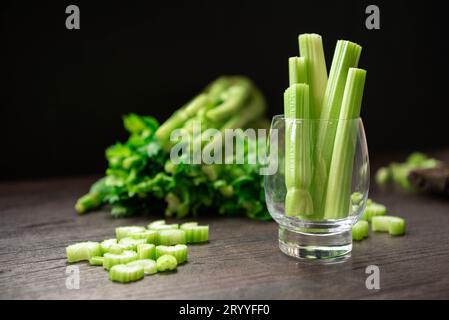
[(315, 246)]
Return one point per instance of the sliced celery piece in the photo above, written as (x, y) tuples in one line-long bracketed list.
[(172, 237), (311, 48), (96, 261), (380, 223), (382, 176), (122, 232), (112, 259), (297, 70), (111, 246), (298, 152), (372, 210), (146, 251), (149, 265), (360, 230), (195, 233), (151, 236), (180, 252), (166, 263), (125, 273), (82, 251), (346, 56), (338, 192), (356, 198), (129, 243), (396, 226), (161, 225)]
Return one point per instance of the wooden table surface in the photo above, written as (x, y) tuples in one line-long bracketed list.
[(242, 260)]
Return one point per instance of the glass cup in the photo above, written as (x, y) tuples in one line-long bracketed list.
[(320, 187)]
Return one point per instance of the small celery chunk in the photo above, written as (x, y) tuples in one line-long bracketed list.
[(96, 261), (146, 251), (150, 236), (112, 259), (123, 232), (380, 223), (172, 237), (126, 273), (360, 230), (373, 209), (110, 246), (149, 265), (383, 176), (129, 243), (396, 226), (161, 225), (166, 263), (180, 252), (83, 251), (195, 233)]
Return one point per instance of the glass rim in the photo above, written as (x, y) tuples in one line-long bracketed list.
[(281, 117)]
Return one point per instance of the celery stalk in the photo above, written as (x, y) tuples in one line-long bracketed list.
[(346, 56), (298, 153), (297, 70), (338, 193), (311, 48)]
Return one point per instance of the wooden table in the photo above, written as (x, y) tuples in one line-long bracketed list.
[(242, 260)]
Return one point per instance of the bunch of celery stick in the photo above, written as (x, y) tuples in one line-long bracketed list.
[(320, 138)]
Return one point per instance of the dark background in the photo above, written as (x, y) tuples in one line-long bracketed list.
[(64, 91)]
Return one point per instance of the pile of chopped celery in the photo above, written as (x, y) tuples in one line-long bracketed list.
[(375, 213), (398, 172), (319, 155), (137, 251)]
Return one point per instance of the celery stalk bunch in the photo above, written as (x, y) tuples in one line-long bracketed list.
[(320, 136), (140, 177)]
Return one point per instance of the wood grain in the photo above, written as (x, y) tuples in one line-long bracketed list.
[(242, 260)]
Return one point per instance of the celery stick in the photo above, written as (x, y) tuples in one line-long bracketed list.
[(298, 152), (238, 94), (346, 56), (338, 193), (311, 48), (360, 230), (82, 251), (297, 70)]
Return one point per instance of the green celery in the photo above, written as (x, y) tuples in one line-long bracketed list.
[(297, 70), (338, 192)]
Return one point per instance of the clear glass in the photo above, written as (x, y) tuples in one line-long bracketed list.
[(320, 187)]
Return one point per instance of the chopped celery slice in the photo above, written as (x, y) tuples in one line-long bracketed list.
[(83, 251), (356, 198), (166, 263), (298, 152), (360, 230), (151, 236), (172, 237), (380, 223), (372, 210), (161, 225), (180, 252), (146, 251), (112, 259), (123, 232), (149, 266), (195, 233), (337, 203), (156, 223), (96, 261), (382, 176), (111, 246), (311, 49), (126, 273), (130, 243), (396, 226)]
